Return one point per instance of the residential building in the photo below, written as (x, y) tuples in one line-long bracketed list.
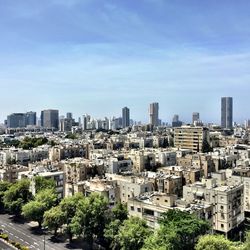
[(150, 206), (190, 137), (227, 201)]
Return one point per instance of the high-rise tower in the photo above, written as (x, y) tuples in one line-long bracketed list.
[(227, 112), (125, 117), (50, 119), (154, 114), (195, 117)]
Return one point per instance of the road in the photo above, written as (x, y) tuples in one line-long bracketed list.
[(22, 233), (4, 246)]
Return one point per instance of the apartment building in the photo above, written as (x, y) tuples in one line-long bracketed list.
[(227, 202), (131, 186), (106, 188), (10, 172), (150, 206), (190, 137)]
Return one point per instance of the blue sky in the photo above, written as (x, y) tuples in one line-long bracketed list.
[(96, 56)]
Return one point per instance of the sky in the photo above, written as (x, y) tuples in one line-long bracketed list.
[(97, 56)]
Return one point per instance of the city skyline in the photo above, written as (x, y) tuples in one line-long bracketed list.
[(226, 116), (83, 55)]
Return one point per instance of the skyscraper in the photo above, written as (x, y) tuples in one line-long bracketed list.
[(227, 112), (176, 122), (50, 119), (30, 118), (69, 115), (154, 114), (125, 117), (195, 117), (16, 120)]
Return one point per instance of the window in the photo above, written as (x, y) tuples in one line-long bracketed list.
[(166, 200), (132, 208), (139, 209), (157, 199), (221, 207), (222, 226)]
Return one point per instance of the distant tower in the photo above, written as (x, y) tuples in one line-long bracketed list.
[(50, 119), (125, 117), (154, 114), (227, 112), (69, 115), (195, 117), (176, 122)]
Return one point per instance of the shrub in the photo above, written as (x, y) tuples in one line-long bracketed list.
[(4, 237)]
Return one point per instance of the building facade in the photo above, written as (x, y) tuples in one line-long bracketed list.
[(50, 119), (227, 112), (125, 117), (154, 114), (189, 137)]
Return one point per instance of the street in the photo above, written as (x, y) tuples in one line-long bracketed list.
[(22, 233), (4, 246)]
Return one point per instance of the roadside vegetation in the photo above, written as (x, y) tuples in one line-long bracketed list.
[(91, 220)]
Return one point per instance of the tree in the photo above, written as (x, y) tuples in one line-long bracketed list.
[(34, 211), (42, 183), (161, 239), (110, 234), (4, 186), (247, 241), (184, 228), (17, 196), (133, 233), (48, 197), (91, 217), (119, 213), (68, 206), (44, 200), (54, 219), (217, 242), (71, 136)]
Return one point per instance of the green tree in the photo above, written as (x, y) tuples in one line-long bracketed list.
[(42, 183), (184, 228), (54, 219), (4, 186), (162, 239), (217, 242), (119, 213), (34, 211), (17, 196), (32, 142), (71, 136), (246, 245), (91, 217), (133, 233), (69, 206), (44, 200), (110, 234)]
